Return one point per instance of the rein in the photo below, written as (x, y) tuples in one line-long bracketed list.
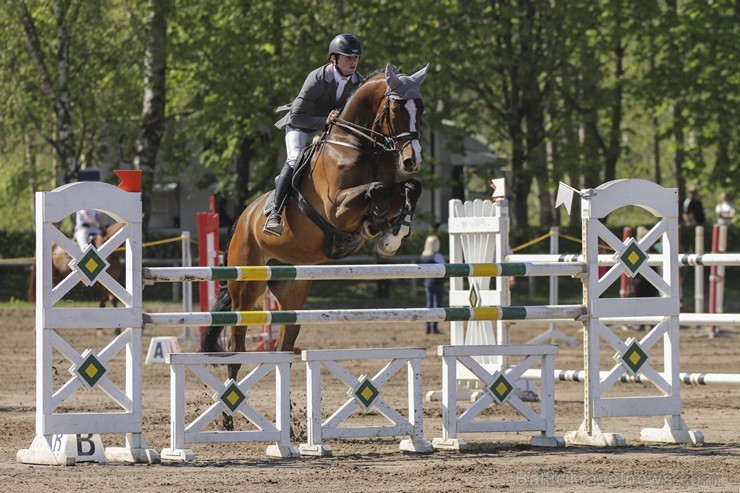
[(386, 142)]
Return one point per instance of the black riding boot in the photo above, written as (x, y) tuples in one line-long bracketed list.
[(273, 224)]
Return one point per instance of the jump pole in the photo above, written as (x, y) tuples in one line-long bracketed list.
[(304, 317), (686, 378), (358, 272)]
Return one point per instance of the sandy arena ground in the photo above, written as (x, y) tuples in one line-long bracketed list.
[(495, 462)]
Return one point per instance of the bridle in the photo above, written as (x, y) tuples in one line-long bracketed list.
[(386, 143)]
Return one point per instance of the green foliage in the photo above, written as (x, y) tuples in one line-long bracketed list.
[(571, 91)]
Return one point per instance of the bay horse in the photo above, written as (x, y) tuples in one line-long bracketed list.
[(350, 191), (60, 268)]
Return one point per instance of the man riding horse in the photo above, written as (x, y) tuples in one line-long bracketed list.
[(325, 89), (353, 187)]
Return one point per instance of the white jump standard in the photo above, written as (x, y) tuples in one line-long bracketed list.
[(633, 356), (90, 370)]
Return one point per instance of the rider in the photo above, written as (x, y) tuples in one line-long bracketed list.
[(87, 224), (324, 92)]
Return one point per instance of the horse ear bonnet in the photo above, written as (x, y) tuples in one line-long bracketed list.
[(404, 87)]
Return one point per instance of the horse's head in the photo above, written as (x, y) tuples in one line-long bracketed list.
[(405, 108)]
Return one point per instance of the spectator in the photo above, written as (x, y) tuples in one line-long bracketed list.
[(693, 209), (87, 224), (434, 287), (725, 210)]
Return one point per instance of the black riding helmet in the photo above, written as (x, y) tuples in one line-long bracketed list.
[(345, 44)]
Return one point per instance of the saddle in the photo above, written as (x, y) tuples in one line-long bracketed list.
[(337, 244)]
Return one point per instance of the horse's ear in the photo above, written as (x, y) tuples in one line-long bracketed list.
[(391, 78), (420, 75)]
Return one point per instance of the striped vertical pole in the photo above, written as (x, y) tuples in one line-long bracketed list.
[(713, 279), (208, 255)]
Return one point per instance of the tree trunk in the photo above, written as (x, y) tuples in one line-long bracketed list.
[(679, 156), (56, 89), (243, 159), (33, 179), (614, 146), (679, 120), (521, 186), (152, 124)]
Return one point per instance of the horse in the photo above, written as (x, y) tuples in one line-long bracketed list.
[(60, 268), (349, 191)]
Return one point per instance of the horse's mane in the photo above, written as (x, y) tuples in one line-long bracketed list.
[(374, 76), (377, 74)]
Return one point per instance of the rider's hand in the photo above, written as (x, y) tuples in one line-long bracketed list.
[(332, 117)]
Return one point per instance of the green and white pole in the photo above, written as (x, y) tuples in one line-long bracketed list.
[(304, 317), (359, 272)]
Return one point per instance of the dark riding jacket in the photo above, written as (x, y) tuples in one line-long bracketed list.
[(317, 99)]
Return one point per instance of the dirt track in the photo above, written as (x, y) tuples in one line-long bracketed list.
[(494, 462)]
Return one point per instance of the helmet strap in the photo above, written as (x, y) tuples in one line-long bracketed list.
[(335, 62)]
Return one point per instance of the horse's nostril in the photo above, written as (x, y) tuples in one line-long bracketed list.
[(409, 164)]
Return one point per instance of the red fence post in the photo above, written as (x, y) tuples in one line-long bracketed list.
[(208, 256)]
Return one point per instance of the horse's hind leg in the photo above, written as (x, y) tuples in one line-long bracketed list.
[(291, 295), (245, 296)]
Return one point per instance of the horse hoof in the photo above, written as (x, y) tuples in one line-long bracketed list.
[(388, 244), (385, 247)]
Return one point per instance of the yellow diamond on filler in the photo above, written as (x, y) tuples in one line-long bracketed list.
[(632, 257), (91, 370), (232, 397), (366, 393), (500, 388), (634, 356), (89, 266)]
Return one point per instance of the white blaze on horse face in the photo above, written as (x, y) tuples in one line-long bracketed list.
[(415, 144)]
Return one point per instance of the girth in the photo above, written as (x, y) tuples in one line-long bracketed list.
[(337, 244)]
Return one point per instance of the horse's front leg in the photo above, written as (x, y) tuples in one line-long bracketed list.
[(374, 196), (404, 196)]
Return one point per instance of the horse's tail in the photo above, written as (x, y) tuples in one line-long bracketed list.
[(209, 338), (31, 294)]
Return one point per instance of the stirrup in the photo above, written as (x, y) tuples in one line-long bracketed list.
[(273, 224)]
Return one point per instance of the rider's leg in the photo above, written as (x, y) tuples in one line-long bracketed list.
[(81, 237), (273, 224), (295, 141)]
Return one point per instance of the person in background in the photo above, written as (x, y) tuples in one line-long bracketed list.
[(88, 223), (434, 287), (693, 209), (725, 210)]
